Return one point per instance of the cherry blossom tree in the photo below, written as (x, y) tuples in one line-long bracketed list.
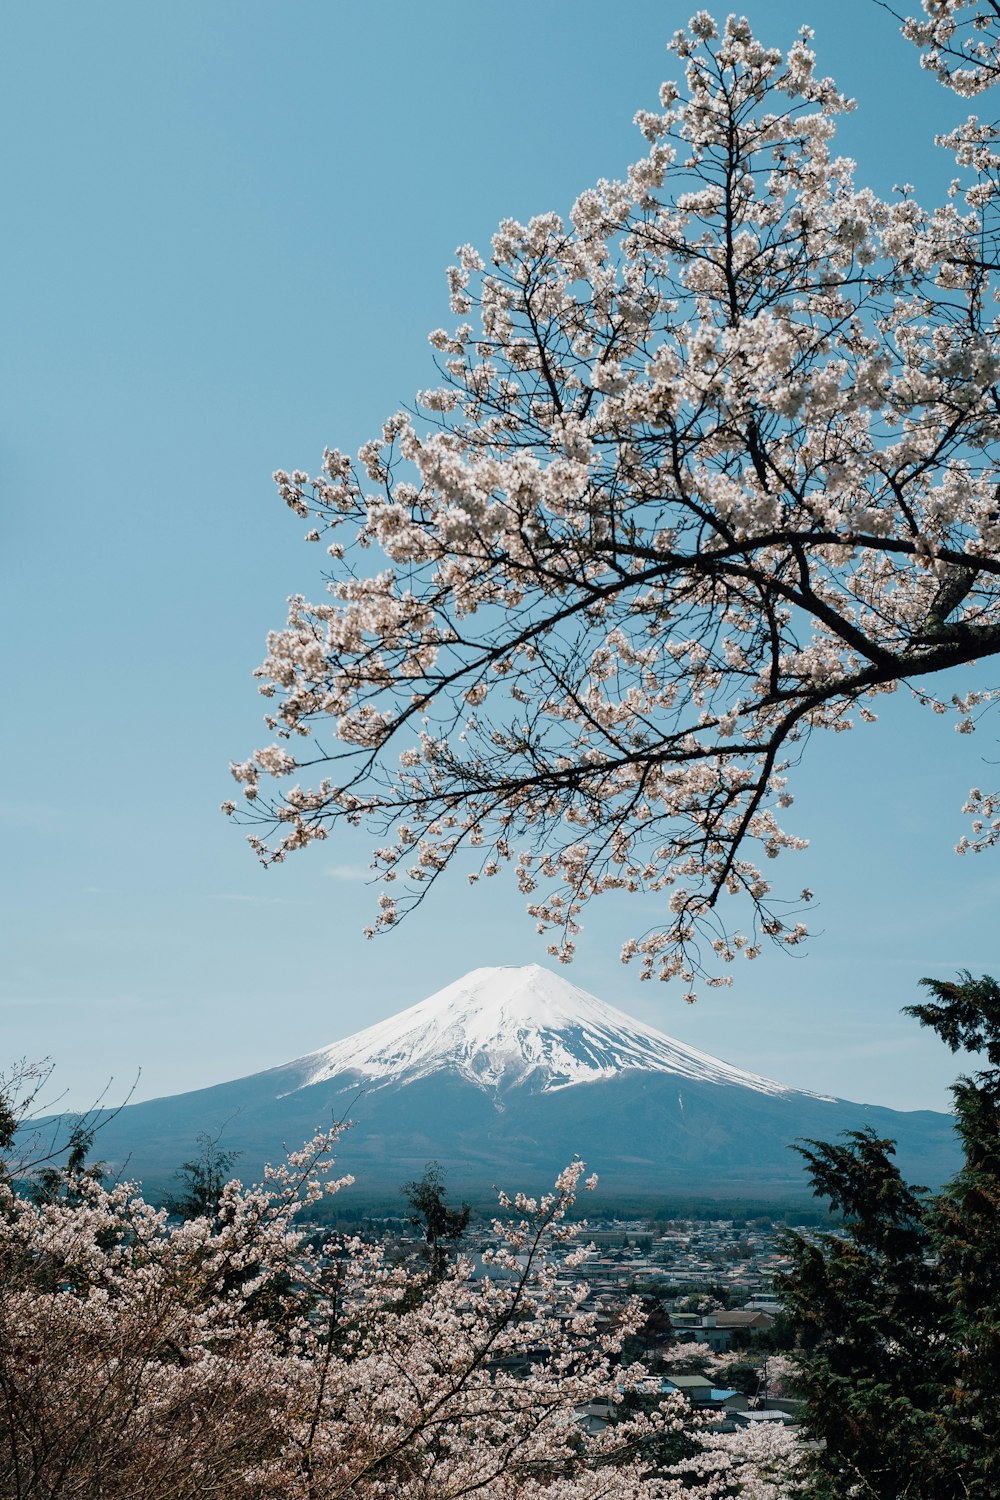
[(711, 465), (233, 1354)]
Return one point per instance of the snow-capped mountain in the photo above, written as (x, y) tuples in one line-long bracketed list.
[(507, 1026), (503, 1077)]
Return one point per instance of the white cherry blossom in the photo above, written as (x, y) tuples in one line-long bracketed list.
[(244, 1354), (712, 465)]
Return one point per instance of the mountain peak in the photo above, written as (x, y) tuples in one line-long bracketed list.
[(513, 1071), (500, 1027)]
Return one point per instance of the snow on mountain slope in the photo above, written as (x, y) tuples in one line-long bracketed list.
[(502, 1026)]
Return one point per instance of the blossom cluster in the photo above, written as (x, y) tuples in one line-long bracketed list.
[(958, 40), (711, 466)]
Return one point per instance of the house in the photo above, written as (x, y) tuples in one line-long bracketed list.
[(729, 1400), (719, 1329), (697, 1388), (701, 1392), (593, 1416), (763, 1414), (763, 1302), (754, 1319)]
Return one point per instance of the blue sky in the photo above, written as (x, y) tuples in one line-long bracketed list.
[(227, 227)]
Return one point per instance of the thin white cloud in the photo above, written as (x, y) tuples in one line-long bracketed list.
[(347, 872)]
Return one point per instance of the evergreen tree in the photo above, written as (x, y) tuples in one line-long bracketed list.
[(868, 1313), (965, 1227), (50, 1184), (897, 1314), (8, 1125), (440, 1224), (203, 1177)]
